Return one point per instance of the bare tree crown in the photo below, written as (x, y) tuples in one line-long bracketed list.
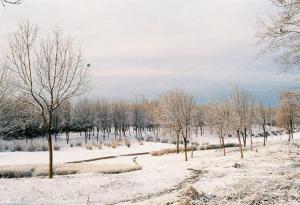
[(50, 69)]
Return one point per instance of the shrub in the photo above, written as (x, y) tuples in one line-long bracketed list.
[(98, 145), (71, 145), (150, 139), (45, 148), (11, 173), (17, 147), (78, 144), (31, 148), (113, 144), (56, 147), (88, 146), (127, 143)]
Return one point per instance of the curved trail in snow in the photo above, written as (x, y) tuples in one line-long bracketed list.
[(193, 178)]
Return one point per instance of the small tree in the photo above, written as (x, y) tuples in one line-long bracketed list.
[(176, 109), (49, 71), (263, 116), (218, 119), (240, 101)]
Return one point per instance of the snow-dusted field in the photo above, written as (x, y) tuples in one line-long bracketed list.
[(267, 175)]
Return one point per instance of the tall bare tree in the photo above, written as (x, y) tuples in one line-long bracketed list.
[(49, 70), (176, 108), (281, 33), (240, 101), (263, 116), (218, 119)]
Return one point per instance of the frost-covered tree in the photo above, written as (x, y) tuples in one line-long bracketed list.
[(263, 119), (240, 103), (120, 118), (84, 117), (199, 120), (138, 116), (49, 70), (176, 109), (290, 111), (217, 117), (281, 33), (103, 117)]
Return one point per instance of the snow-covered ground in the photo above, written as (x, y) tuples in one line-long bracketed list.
[(267, 175)]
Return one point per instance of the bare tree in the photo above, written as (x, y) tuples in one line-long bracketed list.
[(218, 119), (138, 116), (263, 116), (7, 85), (49, 70), (103, 117), (289, 106), (84, 117), (120, 118), (281, 33), (198, 120), (240, 101), (170, 112), (176, 109), (187, 105)]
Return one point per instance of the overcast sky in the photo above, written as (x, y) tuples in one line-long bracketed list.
[(144, 47)]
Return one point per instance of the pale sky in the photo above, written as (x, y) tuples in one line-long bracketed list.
[(144, 47)]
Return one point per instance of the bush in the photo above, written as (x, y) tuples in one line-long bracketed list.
[(17, 147), (127, 143), (98, 145), (45, 148), (31, 148), (78, 144), (56, 147), (10, 173), (71, 145), (88, 146), (150, 139), (113, 144)]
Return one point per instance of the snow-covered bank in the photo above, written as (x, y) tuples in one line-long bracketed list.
[(268, 173)]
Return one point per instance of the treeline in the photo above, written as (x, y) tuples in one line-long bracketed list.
[(174, 113)]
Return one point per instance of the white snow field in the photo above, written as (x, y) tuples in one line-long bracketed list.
[(266, 175)]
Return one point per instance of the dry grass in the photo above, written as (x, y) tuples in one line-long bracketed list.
[(88, 146), (204, 147), (168, 151), (21, 171)]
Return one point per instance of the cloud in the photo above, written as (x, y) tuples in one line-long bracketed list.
[(147, 46)]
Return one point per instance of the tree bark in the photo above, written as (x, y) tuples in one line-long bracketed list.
[(240, 143), (185, 148), (223, 145), (50, 171), (177, 142)]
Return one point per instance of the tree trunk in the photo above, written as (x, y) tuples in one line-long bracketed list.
[(177, 142), (251, 142), (223, 145), (245, 137), (67, 137), (48, 131), (185, 148), (220, 142), (264, 134), (240, 143)]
